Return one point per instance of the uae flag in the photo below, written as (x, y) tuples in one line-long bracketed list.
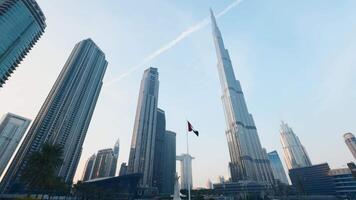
[(191, 129)]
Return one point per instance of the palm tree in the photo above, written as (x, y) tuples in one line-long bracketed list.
[(40, 171)]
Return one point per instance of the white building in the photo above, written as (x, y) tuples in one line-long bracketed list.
[(186, 178), (12, 129)]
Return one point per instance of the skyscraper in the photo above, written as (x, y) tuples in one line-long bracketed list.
[(159, 151), (277, 167), (295, 154), (248, 160), (143, 139), (350, 141), (65, 115), (12, 129), (22, 23), (169, 163), (88, 170), (103, 164), (116, 150), (186, 178)]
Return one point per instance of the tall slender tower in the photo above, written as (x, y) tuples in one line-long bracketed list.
[(65, 115), (22, 23), (295, 154), (12, 129), (350, 141), (143, 139), (248, 160)]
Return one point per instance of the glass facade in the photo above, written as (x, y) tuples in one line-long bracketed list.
[(21, 23), (65, 115), (248, 159), (12, 129), (295, 154), (313, 180), (141, 157), (277, 167)]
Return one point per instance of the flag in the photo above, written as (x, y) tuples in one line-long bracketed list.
[(190, 129)]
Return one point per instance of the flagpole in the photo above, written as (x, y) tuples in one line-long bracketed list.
[(186, 130)]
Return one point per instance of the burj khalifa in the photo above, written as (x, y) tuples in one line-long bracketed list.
[(249, 160)]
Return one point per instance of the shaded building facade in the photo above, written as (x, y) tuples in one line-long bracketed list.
[(22, 23), (88, 170), (277, 167), (345, 183), (65, 115), (295, 154), (12, 129), (313, 180), (248, 159), (142, 150)]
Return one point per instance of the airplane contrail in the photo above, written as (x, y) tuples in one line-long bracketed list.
[(173, 43)]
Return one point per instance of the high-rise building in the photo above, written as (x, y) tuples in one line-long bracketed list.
[(116, 150), (159, 151), (22, 23), (350, 141), (65, 115), (277, 167), (123, 169), (248, 160), (88, 170), (143, 139), (103, 164), (12, 129), (186, 178), (295, 154), (169, 163)]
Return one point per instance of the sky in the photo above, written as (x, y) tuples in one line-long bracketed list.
[(295, 60)]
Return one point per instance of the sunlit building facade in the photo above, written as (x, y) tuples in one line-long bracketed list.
[(22, 23), (186, 173), (248, 159), (295, 154), (12, 129), (350, 141)]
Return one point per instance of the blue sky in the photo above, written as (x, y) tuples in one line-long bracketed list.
[(295, 59)]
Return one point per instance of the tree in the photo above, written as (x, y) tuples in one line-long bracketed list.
[(40, 171)]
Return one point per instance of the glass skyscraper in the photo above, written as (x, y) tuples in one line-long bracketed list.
[(65, 115), (277, 167), (295, 154), (350, 141), (103, 163), (143, 138), (88, 170), (164, 166), (12, 129), (21, 24), (248, 160)]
